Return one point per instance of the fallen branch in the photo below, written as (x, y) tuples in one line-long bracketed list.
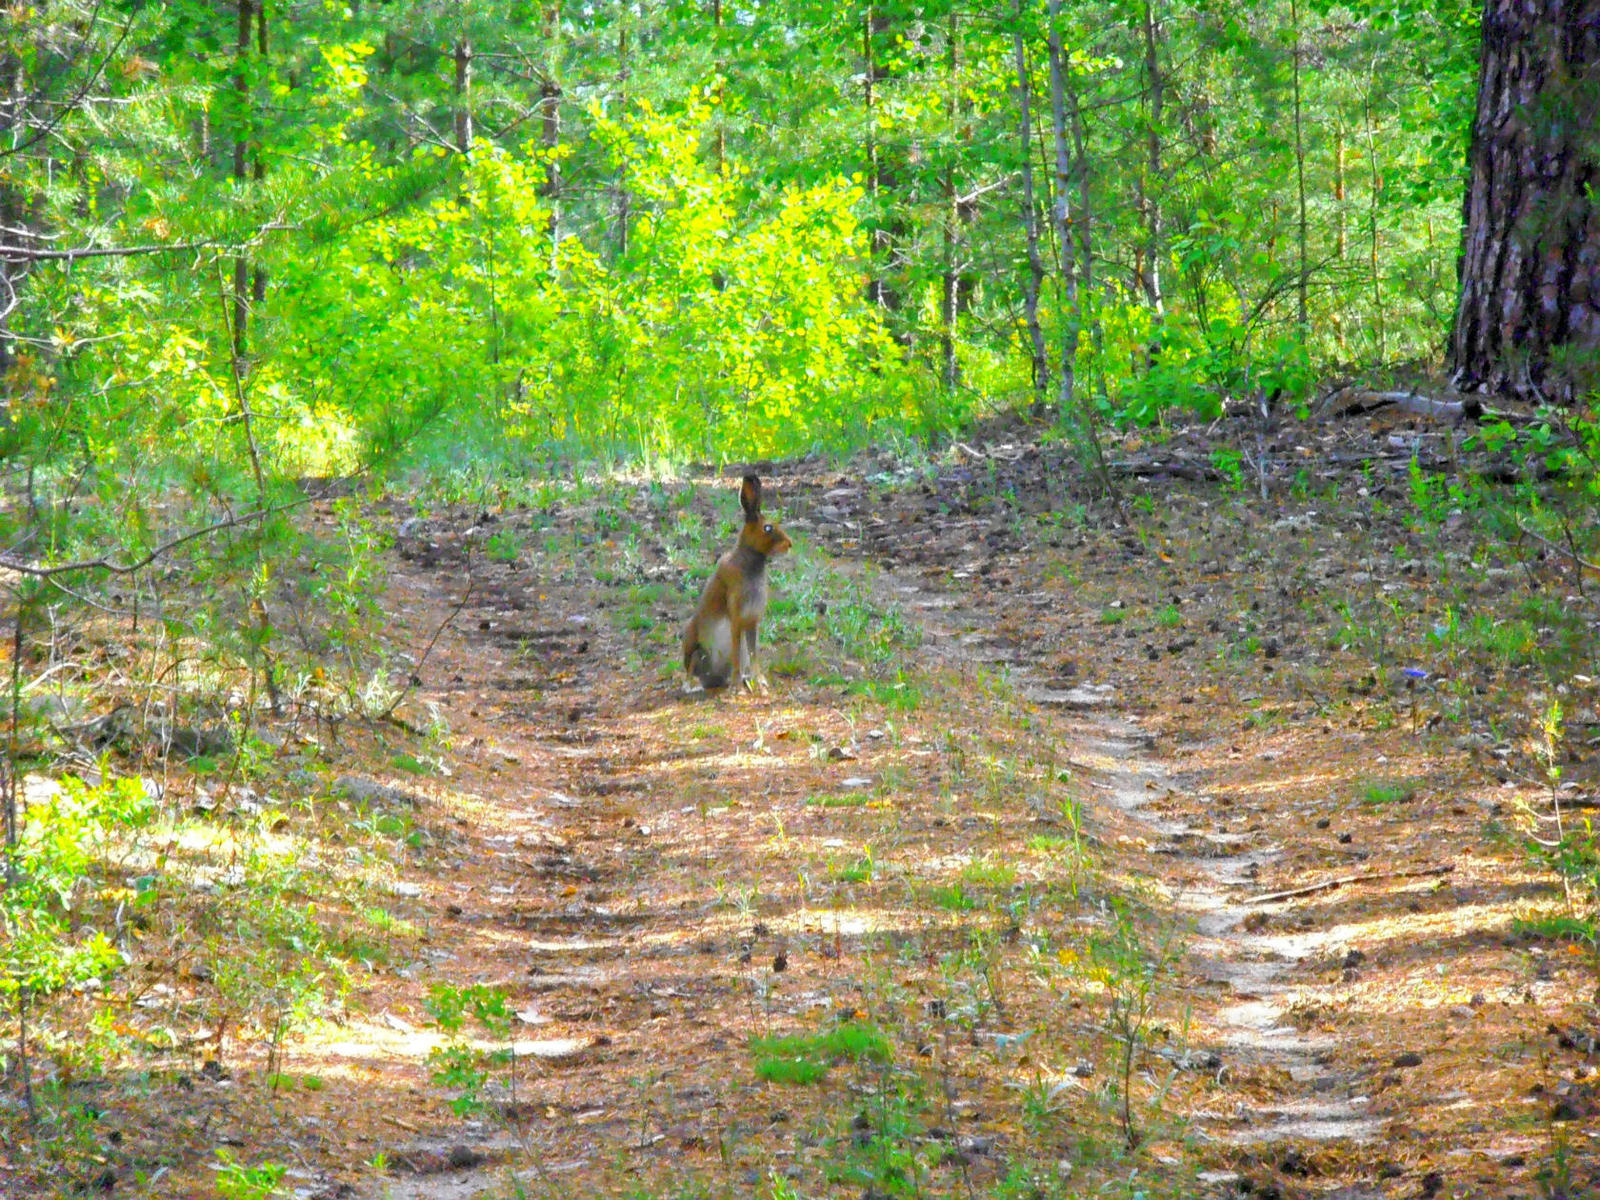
[(1328, 885), (1355, 402), (1178, 468)]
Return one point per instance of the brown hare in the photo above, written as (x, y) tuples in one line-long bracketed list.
[(719, 643)]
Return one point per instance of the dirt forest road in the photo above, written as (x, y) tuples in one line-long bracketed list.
[(1065, 853)]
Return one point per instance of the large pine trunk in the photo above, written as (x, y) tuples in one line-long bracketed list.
[(1528, 320)]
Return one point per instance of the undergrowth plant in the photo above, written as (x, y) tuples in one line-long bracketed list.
[(238, 1181), (459, 1065), (1566, 844), (1129, 970), (61, 910)]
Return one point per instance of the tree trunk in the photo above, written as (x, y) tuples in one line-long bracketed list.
[(1083, 226), (13, 203), (1375, 170), (1303, 284), (1040, 360), (720, 68), (258, 273), (1528, 319), (1072, 247), (463, 96), (241, 152), (1339, 244), (1065, 236), (550, 126), (950, 275), (621, 184), (881, 177), (1156, 83)]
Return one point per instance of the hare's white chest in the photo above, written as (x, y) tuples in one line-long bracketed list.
[(753, 600)]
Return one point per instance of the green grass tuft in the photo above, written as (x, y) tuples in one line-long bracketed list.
[(800, 1060), (849, 800), (1378, 792)]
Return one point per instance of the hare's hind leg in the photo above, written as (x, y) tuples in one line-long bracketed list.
[(722, 656), (710, 659)]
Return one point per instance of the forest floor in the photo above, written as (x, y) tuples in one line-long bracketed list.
[(1168, 848)]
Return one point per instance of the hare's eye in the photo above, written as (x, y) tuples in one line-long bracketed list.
[(766, 529)]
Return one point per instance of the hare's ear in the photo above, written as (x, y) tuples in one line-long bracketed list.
[(750, 496)]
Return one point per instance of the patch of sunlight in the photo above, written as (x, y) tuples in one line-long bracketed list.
[(1420, 991), (848, 922), (570, 947), (855, 920), (1422, 928), (372, 1040), (1279, 783), (457, 803), (1092, 761), (743, 760)]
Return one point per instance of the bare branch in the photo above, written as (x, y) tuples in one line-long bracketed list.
[(37, 571), (24, 254)]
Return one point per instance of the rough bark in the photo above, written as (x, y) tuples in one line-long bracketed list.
[(1528, 318)]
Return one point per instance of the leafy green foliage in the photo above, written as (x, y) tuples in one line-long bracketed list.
[(55, 917), (668, 259)]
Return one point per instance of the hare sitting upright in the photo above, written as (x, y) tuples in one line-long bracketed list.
[(719, 643)]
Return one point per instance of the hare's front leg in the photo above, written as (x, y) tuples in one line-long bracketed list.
[(757, 678), (692, 654), (737, 648)]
